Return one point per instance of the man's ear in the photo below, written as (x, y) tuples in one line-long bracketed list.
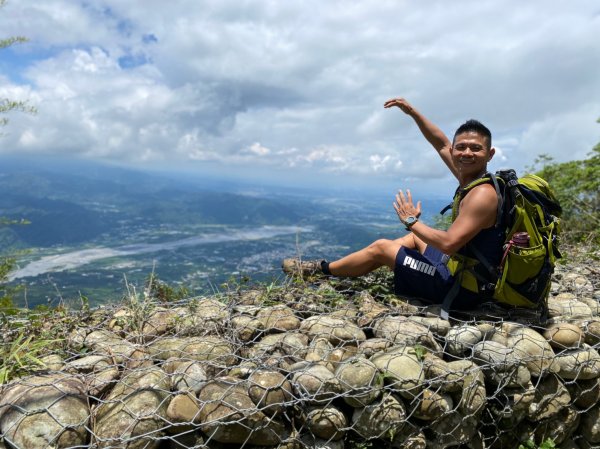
[(492, 152)]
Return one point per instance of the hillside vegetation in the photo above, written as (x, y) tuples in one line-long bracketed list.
[(577, 186)]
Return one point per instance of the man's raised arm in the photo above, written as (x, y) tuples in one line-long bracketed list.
[(430, 131)]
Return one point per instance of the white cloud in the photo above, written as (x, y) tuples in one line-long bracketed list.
[(379, 163), (295, 85), (28, 139), (499, 154), (257, 149), (564, 135)]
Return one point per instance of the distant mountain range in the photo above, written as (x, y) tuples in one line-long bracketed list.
[(74, 203)]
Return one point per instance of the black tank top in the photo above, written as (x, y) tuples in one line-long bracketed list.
[(489, 242)]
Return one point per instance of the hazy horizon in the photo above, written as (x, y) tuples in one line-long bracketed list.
[(331, 186)]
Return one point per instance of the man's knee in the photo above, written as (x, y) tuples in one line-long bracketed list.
[(382, 250)]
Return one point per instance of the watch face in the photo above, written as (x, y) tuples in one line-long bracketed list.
[(411, 220)]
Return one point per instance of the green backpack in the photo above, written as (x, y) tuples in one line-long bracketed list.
[(522, 279)]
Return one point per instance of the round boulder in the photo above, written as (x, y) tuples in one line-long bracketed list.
[(381, 419), (188, 376), (158, 323), (500, 364), (581, 363), (98, 373), (593, 304), (372, 346), (135, 410), (495, 356), (328, 423), (592, 332), (228, 415), (564, 336), (211, 311), (577, 282), (246, 327), (278, 319), (402, 369), (369, 309), (532, 349), (403, 330), (339, 355), (431, 405), (453, 429), (336, 330), (202, 349), (462, 338), (550, 397), (270, 391), (568, 308), (184, 409), (436, 325), (315, 383), (293, 344), (361, 381), (104, 342), (319, 350), (440, 375), (52, 362), (43, 411)]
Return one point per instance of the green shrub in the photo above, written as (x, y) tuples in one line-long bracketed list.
[(577, 187)]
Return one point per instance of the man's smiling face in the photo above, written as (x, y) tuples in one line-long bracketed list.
[(470, 153)]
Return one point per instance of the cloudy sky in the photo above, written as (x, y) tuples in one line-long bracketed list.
[(293, 91)]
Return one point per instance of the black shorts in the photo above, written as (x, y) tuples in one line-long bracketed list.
[(426, 277)]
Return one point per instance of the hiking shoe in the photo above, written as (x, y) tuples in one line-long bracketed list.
[(302, 268)]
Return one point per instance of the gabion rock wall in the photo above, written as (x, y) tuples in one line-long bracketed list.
[(318, 367)]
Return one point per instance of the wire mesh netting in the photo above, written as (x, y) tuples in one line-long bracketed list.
[(327, 364)]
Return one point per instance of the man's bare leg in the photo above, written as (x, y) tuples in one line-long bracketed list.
[(416, 243), (378, 254)]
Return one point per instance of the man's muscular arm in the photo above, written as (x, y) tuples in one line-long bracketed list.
[(434, 135), (477, 211)]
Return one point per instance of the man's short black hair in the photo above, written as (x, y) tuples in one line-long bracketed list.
[(475, 126)]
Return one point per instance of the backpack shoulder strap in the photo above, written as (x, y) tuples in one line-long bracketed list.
[(499, 194), (451, 205)]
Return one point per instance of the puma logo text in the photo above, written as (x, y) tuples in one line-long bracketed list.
[(419, 266)]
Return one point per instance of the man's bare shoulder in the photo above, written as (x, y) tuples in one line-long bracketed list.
[(481, 198), (482, 190)]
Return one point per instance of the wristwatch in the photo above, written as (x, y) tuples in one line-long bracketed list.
[(410, 220)]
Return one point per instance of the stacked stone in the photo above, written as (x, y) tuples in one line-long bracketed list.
[(303, 374)]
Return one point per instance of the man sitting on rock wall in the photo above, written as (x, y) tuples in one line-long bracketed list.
[(419, 259)]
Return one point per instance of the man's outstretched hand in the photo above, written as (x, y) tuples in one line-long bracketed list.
[(400, 103), (404, 206)]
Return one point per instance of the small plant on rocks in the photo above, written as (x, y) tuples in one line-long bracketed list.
[(21, 356), (530, 444)]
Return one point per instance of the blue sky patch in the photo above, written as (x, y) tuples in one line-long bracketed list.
[(131, 61), (14, 61), (149, 38)]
